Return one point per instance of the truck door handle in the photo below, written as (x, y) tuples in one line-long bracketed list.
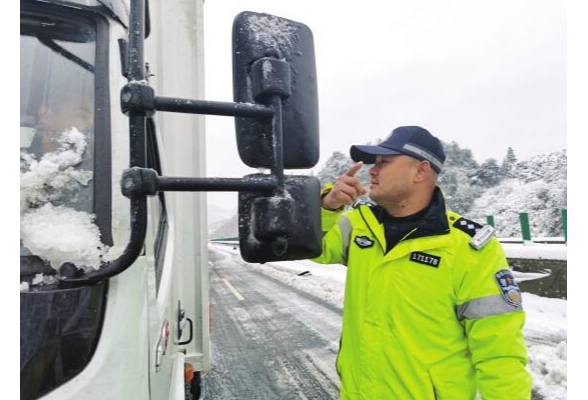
[(191, 332)]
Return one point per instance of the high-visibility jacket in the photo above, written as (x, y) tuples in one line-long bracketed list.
[(434, 318)]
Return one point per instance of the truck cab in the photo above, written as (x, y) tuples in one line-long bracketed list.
[(114, 269), (133, 335)]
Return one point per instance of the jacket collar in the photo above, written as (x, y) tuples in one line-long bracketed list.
[(433, 223)]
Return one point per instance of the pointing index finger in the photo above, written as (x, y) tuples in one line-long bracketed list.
[(355, 169)]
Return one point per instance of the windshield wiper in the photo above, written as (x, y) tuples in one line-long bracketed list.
[(30, 266)]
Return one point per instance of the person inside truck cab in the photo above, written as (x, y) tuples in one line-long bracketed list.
[(57, 81), (431, 308), (56, 118)]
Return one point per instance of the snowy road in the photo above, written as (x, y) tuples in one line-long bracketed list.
[(275, 334), (269, 341)]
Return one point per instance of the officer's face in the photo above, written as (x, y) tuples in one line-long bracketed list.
[(392, 178)]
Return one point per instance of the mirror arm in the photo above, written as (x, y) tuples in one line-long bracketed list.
[(169, 184), (129, 255), (141, 181), (172, 104)]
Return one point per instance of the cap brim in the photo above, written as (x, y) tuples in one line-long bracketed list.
[(368, 154)]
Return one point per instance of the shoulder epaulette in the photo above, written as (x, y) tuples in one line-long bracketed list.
[(480, 234), (482, 237)]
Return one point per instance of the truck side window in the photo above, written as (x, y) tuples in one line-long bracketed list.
[(157, 208)]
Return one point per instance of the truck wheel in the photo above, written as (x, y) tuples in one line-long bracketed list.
[(193, 389)]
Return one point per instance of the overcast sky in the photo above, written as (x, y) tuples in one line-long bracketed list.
[(486, 74)]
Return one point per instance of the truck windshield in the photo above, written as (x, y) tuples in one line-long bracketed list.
[(59, 328), (57, 58)]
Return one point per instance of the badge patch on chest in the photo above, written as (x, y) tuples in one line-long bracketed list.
[(508, 287), (364, 242), (426, 259)]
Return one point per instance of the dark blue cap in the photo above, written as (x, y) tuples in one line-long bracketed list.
[(412, 141)]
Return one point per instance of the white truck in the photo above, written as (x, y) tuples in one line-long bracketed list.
[(114, 269)]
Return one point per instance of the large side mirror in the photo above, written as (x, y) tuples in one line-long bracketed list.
[(277, 127), (281, 228), (273, 55)]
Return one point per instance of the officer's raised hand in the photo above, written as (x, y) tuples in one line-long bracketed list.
[(346, 191)]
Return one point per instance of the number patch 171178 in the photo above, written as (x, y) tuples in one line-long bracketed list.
[(426, 259)]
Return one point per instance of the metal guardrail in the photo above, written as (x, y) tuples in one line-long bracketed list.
[(538, 240), (526, 228)]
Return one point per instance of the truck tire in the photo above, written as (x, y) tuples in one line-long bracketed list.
[(193, 389)]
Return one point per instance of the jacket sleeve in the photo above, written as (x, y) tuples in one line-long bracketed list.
[(490, 309), (332, 241)]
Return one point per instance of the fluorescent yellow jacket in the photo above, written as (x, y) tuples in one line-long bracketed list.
[(434, 319)]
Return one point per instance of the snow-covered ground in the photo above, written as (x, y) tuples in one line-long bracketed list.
[(546, 335), (536, 251), (545, 328)]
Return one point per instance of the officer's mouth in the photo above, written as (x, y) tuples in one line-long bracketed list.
[(373, 184)]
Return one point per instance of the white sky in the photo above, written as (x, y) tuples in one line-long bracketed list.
[(488, 75)]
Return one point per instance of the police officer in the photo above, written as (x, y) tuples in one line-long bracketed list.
[(431, 307)]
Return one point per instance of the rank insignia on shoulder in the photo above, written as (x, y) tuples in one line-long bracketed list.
[(364, 242), (467, 226), (482, 237)]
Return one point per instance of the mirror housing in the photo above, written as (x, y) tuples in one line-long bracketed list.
[(273, 55), (281, 228)]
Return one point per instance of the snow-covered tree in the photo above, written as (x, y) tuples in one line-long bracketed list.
[(458, 177), (458, 191), (456, 156), (509, 163), (489, 174), (539, 188)]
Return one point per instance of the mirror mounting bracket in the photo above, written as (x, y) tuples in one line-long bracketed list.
[(271, 76)]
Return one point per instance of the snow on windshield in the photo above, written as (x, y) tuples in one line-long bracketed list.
[(49, 226), (46, 180)]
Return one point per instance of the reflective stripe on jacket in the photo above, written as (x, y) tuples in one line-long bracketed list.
[(432, 319)]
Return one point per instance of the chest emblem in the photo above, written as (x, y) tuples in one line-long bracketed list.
[(426, 259), (364, 242)]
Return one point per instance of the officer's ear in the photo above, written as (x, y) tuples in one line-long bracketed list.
[(423, 171)]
